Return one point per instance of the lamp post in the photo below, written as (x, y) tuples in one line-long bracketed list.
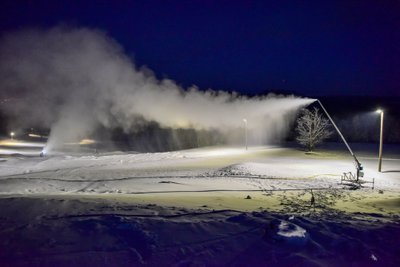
[(245, 132), (380, 141), (12, 135)]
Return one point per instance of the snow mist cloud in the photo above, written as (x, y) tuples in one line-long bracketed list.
[(75, 80)]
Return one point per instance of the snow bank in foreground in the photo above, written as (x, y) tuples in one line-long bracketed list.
[(78, 232)]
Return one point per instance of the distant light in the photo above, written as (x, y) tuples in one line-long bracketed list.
[(15, 143), (34, 135), (222, 152), (87, 142), (379, 111), (244, 120), (12, 133)]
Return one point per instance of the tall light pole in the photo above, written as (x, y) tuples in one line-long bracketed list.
[(380, 141), (12, 135), (245, 132)]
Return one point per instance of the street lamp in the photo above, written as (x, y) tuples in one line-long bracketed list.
[(380, 141), (12, 135), (245, 132)]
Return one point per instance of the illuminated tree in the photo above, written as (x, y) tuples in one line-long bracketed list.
[(312, 129)]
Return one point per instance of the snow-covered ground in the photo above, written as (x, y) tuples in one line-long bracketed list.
[(215, 206), (215, 168)]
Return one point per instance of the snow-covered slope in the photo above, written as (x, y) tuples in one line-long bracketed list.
[(200, 207)]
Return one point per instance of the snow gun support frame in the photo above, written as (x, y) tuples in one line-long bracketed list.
[(359, 167)]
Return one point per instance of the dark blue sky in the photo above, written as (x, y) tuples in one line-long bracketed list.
[(311, 48)]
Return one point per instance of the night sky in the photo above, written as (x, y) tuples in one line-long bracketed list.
[(310, 48)]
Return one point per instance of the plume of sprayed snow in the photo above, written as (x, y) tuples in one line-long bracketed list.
[(73, 80)]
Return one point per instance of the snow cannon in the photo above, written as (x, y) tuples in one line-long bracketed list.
[(359, 167)]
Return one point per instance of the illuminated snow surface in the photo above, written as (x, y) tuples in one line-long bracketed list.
[(189, 208)]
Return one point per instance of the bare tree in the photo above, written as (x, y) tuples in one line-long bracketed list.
[(312, 128)]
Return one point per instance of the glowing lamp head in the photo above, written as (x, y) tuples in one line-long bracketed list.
[(245, 120), (379, 111), (12, 134)]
